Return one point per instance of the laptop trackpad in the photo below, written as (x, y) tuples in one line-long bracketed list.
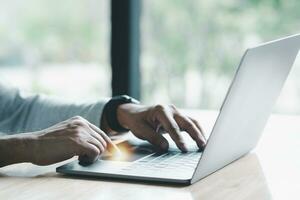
[(130, 152)]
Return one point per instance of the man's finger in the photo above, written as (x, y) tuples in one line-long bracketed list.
[(111, 146), (187, 125), (98, 144), (171, 126), (91, 131), (88, 153), (96, 135), (199, 127), (151, 136)]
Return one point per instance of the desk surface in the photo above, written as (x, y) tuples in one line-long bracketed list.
[(271, 171)]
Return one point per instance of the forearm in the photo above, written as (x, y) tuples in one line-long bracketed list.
[(22, 113), (48, 111), (16, 149)]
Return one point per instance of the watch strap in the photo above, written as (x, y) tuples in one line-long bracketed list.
[(110, 111)]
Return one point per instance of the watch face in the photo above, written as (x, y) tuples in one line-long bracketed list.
[(127, 99)]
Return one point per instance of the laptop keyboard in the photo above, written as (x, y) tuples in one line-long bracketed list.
[(164, 163)]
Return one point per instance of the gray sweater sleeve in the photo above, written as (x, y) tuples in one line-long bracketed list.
[(20, 113)]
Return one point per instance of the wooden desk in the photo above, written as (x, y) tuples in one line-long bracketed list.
[(272, 171)]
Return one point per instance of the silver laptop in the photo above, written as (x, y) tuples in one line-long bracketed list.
[(242, 118)]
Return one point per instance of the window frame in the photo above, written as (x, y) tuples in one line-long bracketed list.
[(125, 47)]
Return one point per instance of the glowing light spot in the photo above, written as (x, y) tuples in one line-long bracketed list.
[(123, 153)]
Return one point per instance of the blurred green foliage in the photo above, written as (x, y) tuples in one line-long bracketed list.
[(207, 37), (188, 46), (54, 31)]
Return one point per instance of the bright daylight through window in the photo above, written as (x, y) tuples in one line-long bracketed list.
[(56, 47), (191, 49)]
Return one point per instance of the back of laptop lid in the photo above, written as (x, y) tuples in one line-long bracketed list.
[(248, 103)]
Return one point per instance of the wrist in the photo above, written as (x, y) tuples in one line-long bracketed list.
[(123, 114), (115, 115), (17, 149), (104, 125)]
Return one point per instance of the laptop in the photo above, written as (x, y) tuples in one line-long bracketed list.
[(243, 115)]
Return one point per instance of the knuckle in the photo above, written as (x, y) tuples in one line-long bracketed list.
[(78, 132), (159, 107), (78, 141), (77, 117), (79, 122)]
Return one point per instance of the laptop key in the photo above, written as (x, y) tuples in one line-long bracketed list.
[(165, 163)]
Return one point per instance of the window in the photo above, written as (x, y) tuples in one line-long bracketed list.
[(191, 49), (56, 47)]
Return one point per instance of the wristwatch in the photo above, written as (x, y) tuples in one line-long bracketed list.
[(110, 111)]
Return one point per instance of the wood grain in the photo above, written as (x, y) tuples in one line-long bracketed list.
[(262, 174)]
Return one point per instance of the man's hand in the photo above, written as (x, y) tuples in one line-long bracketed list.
[(147, 122), (75, 136)]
